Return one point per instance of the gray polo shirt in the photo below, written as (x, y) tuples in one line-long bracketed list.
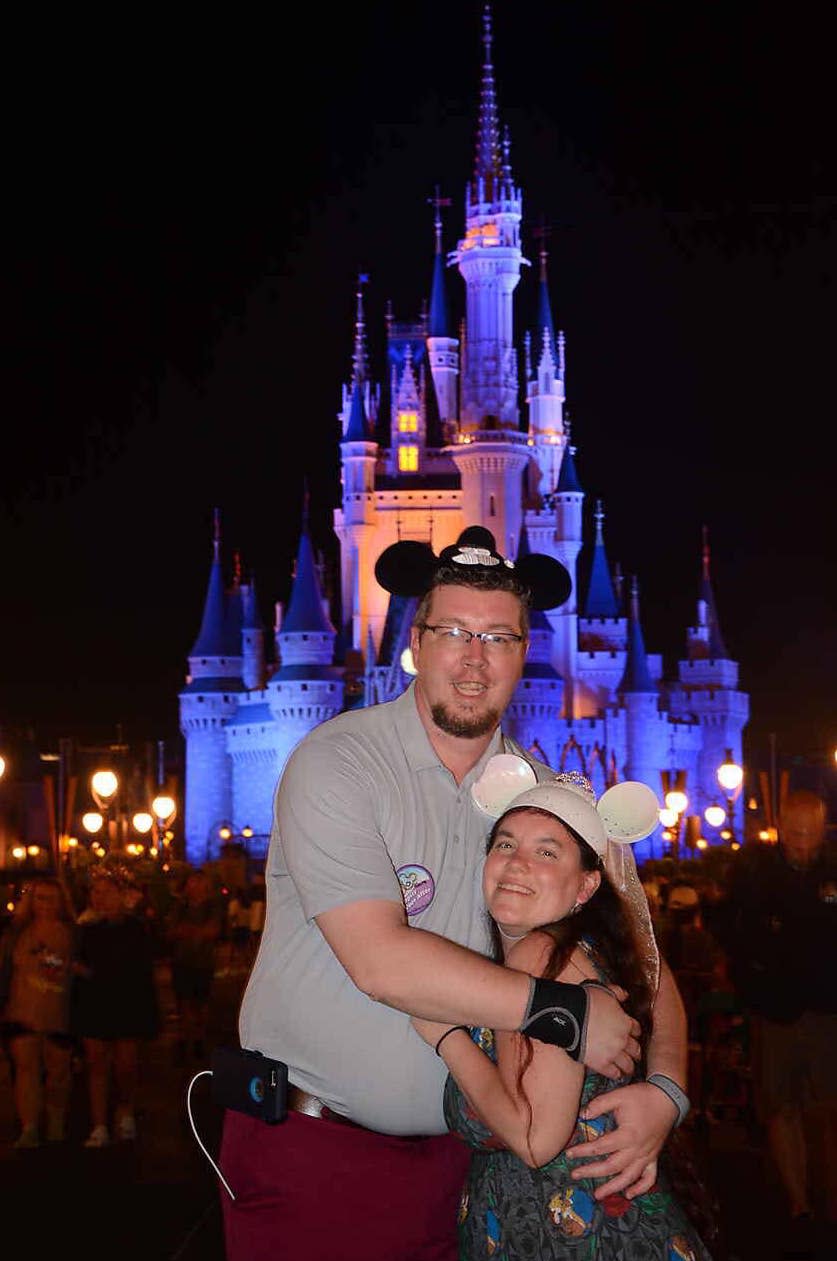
[(364, 810)]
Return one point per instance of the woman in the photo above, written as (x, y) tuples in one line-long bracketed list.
[(114, 1003), (519, 1102), (40, 943)]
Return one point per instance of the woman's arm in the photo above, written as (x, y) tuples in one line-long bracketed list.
[(536, 1118)]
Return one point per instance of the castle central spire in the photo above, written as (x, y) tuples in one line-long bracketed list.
[(360, 358), (489, 259), (487, 163)]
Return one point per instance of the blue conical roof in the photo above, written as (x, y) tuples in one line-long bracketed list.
[(717, 648), (601, 598), (437, 320), (568, 478), (636, 677), (356, 428), (233, 620), (211, 640), (544, 323), (305, 607), (251, 617)]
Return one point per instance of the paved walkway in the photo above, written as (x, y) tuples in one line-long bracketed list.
[(158, 1199)]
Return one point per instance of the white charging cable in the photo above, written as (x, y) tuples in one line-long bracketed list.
[(205, 1072)]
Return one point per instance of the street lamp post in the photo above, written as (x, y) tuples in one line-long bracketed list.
[(676, 805), (104, 785), (164, 809), (142, 823), (671, 817), (93, 821), (730, 777)]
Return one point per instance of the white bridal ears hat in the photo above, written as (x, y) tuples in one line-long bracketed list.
[(625, 813)]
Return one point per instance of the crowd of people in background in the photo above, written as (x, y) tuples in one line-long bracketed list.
[(748, 936), (80, 986)]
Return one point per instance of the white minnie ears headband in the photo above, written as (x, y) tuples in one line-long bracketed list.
[(627, 812), (624, 814)]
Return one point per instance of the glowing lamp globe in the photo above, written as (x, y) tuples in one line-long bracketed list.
[(730, 775), (714, 815), (163, 806), (676, 801), (104, 783)]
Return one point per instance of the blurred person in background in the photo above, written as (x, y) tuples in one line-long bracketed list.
[(196, 922), (114, 1002), (238, 956), (38, 948), (779, 932), (699, 966)]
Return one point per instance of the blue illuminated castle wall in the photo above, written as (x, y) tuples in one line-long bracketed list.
[(466, 426)]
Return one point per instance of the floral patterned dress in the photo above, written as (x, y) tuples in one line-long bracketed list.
[(510, 1212)]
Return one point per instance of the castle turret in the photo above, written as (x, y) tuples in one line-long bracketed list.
[(707, 689), (307, 688), (370, 393), (234, 613), (705, 640), (602, 631), (536, 705), (489, 258), (569, 501), (442, 348), (491, 452), (355, 524), (252, 638), (601, 599), (639, 697), (545, 395), (207, 702)]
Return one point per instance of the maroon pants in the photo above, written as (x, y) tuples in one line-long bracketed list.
[(310, 1189)]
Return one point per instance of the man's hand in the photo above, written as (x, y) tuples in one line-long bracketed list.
[(611, 1045), (628, 1154)]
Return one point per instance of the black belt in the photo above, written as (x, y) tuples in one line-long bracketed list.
[(312, 1106)]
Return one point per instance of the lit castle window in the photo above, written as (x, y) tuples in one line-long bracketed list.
[(407, 422), (408, 459)]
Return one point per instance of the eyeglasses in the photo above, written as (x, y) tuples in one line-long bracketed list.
[(458, 637)]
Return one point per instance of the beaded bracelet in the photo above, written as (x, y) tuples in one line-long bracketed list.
[(452, 1029)]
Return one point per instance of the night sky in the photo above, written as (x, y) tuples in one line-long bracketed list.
[(189, 210)]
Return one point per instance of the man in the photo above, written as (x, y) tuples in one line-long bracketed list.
[(375, 914), (779, 931)]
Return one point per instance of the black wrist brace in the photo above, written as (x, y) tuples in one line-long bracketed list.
[(557, 1013)]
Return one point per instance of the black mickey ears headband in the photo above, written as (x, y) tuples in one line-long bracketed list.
[(408, 568)]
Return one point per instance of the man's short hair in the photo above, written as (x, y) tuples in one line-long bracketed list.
[(478, 578)]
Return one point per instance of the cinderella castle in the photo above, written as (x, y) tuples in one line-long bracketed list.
[(464, 426)]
